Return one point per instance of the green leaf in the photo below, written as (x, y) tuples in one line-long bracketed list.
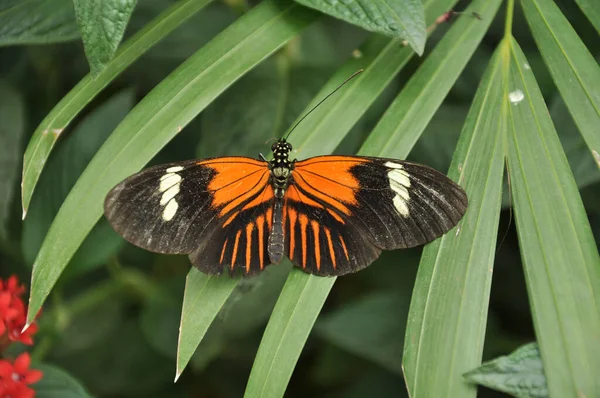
[(553, 231), (296, 310), (61, 174), (37, 22), (102, 25), (12, 114), (371, 327), (520, 374), (252, 301), (582, 163), (400, 18), (436, 146), (57, 383), (46, 134), (573, 68), (406, 118), (202, 300), (448, 312), (591, 10), (155, 121)]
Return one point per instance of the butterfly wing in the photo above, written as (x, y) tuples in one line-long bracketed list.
[(194, 207), (353, 207)]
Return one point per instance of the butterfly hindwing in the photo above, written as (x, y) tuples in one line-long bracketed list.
[(240, 244), (318, 243)]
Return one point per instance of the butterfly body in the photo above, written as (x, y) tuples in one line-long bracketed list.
[(331, 215)]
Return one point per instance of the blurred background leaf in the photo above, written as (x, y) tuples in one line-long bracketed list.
[(37, 22), (12, 127), (57, 383)]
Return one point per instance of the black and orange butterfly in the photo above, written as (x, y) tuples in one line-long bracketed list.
[(331, 215)]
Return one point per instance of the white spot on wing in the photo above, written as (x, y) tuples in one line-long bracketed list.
[(393, 165), (516, 96), (170, 210), (174, 169), (526, 65), (169, 194), (399, 183), (401, 206), (399, 189), (168, 180), (400, 177)]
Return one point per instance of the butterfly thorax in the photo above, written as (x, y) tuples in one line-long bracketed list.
[(281, 167)]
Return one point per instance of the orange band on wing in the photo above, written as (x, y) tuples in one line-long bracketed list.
[(330, 245), (344, 247), (330, 174), (235, 248), (235, 180), (303, 224), (223, 251), (265, 196), (315, 228), (249, 229), (260, 225), (294, 194), (293, 215)]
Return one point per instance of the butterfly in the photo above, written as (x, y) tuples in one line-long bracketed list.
[(330, 215)]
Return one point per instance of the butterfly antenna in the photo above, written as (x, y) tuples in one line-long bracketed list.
[(358, 72)]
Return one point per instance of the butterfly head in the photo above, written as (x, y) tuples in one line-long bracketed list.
[(281, 166), (281, 151)]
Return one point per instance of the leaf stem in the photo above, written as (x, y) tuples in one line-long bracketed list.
[(510, 10)]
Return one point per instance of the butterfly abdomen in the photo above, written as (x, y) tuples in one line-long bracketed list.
[(276, 237)]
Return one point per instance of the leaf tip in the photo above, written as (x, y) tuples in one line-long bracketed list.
[(177, 375), (25, 327)]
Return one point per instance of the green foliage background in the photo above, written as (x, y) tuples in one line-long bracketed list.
[(196, 78)]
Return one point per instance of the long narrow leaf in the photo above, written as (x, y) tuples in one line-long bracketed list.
[(157, 119), (574, 70), (560, 257), (203, 298), (45, 136), (448, 312)]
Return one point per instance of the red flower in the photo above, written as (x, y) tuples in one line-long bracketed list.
[(15, 390), (13, 314), (14, 377), (7, 312), (19, 372), (12, 286)]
